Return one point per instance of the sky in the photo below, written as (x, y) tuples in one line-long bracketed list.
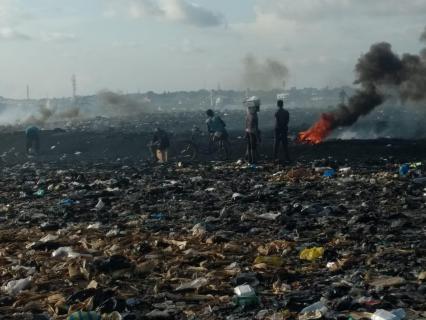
[(169, 45)]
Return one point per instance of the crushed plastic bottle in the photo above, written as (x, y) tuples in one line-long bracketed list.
[(39, 193), (314, 311), (381, 314), (400, 313), (320, 306), (195, 284), (196, 179), (100, 205), (198, 230), (67, 202), (270, 216), (157, 216), (96, 226), (421, 180), (65, 252), (237, 196)]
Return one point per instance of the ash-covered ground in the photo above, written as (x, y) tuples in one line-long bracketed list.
[(90, 225), (127, 138)]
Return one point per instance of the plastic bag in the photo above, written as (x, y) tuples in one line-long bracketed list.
[(16, 286), (312, 254)]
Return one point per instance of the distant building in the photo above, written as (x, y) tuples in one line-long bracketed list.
[(283, 96)]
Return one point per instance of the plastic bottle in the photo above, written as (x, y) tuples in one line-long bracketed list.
[(421, 180), (100, 205), (400, 313), (317, 306), (381, 314)]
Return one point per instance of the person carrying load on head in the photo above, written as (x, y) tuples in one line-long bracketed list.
[(252, 128)]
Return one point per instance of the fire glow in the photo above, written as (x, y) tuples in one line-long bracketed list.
[(319, 131)]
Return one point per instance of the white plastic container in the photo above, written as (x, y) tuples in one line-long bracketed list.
[(252, 103), (244, 291), (381, 314)]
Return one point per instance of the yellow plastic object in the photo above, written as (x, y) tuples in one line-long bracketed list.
[(312, 254), (273, 261)]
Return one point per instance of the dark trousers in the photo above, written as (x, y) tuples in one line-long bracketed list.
[(251, 147), (222, 141), (281, 139), (34, 143), (153, 151)]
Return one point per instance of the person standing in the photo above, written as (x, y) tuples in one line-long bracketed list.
[(32, 134), (159, 145), (216, 128), (282, 118), (252, 131)]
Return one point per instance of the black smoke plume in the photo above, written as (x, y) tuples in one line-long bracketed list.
[(378, 71), (116, 104)]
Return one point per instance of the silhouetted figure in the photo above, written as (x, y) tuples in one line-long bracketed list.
[(216, 128), (32, 135), (159, 145), (282, 118), (252, 134)]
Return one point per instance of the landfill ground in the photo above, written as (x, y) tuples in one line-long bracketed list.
[(90, 225)]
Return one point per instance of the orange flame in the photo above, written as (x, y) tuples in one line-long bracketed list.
[(319, 131)]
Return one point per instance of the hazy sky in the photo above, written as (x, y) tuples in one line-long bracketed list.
[(132, 45)]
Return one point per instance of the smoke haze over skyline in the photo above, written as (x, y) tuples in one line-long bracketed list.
[(132, 45)]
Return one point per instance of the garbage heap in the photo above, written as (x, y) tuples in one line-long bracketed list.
[(126, 240)]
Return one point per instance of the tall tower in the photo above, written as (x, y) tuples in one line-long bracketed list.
[(211, 98), (74, 86), (28, 92)]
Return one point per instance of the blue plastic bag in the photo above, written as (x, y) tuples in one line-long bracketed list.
[(404, 169), (329, 173)]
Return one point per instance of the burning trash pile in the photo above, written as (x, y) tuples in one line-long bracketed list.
[(124, 240), (382, 75)]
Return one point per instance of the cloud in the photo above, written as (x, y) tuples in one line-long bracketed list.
[(325, 9), (11, 15), (143, 8), (189, 46), (181, 11), (126, 44), (7, 10), (185, 47), (7, 33), (58, 37)]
